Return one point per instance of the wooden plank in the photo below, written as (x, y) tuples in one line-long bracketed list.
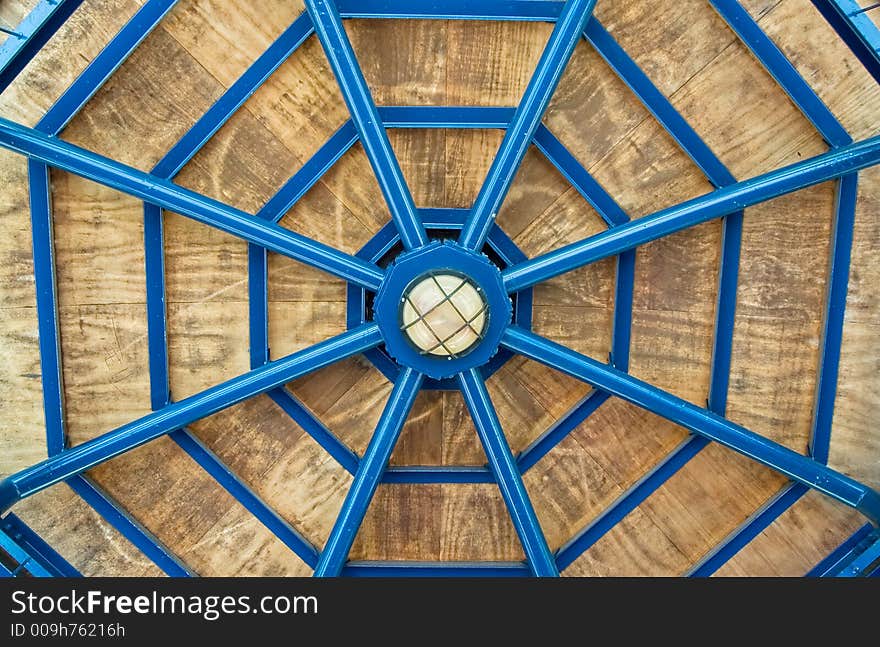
[(82, 537), (475, 525), (828, 65), (402, 522), (63, 58), (105, 360), (420, 442), (22, 427), (854, 438), (798, 540)]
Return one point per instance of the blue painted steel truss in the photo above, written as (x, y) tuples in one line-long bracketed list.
[(410, 228)]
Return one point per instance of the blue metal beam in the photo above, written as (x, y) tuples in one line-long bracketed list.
[(369, 473), (502, 464), (31, 35), (721, 202), (526, 119), (103, 170), (276, 524), (47, 306), (514, 10), (435, 569), (701, 421), (832, 564), (129, 527), (748, 530), (331, 33), (466, 117), (832, 326), (36, 547), (175, 416), (629, 501), (781, 69), (104, 64), (856, 29)]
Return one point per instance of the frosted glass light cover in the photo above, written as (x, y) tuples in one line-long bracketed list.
[(443, 315)]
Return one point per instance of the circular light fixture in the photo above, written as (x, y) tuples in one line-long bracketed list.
[(444, 314)]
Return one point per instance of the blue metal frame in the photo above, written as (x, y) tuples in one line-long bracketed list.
[(31, 35), (409, 227), (856, 29), (36, 548)]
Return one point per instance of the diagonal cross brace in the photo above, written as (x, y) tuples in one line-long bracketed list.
[(705, 423), (721, 202), (174, 416), (161, 192)]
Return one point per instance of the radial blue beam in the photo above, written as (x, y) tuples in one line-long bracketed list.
[(334, 40), (369, 473), (125, 438), (720, 202), (503, 466), (701, 421), (158, 191), (526, 120)]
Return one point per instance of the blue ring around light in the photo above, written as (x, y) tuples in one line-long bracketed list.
[(435, 219), (440, 256)]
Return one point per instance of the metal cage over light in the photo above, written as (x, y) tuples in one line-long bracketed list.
[(505, 283)]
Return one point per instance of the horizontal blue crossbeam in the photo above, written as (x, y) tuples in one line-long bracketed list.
[(514, 10), (778, 457), (175, 416), (720, 202), (435, 569)]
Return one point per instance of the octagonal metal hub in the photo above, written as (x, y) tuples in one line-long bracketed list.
[(442, 309)]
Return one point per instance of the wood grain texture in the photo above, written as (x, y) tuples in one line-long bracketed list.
[(202, 47), (81, 535), (799, 539)]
